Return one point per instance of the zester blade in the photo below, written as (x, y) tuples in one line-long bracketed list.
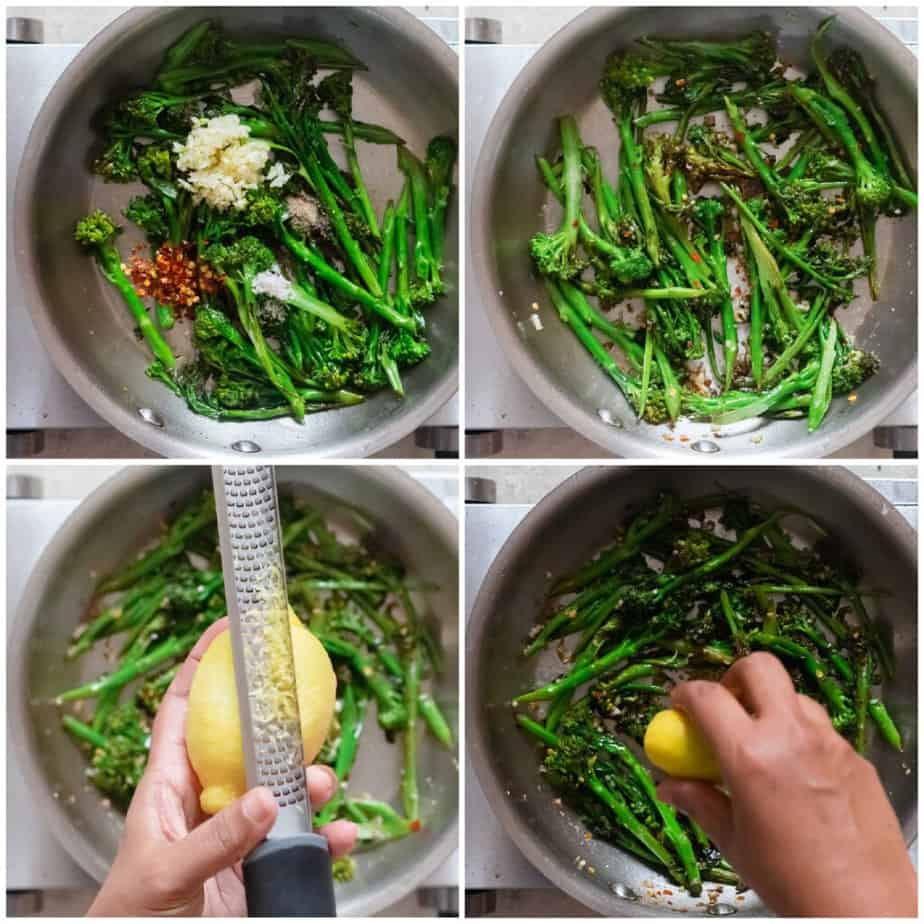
[(255, 591)]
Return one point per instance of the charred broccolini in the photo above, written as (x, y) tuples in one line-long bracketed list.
[(791, 194), (686, 588)]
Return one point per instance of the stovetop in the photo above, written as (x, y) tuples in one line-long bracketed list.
[(492, 860)]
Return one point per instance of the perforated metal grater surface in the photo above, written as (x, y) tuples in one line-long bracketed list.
[(255, 589)]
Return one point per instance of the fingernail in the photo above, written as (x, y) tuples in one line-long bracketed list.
[(257, 805), (321, 777)]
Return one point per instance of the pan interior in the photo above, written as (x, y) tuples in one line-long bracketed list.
[(555, 540), (516, 205), (357, 506), (88, 328)]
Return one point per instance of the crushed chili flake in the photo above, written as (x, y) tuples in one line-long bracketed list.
[(174, 277)]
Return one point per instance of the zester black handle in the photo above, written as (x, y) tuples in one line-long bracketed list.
[(290, 877)]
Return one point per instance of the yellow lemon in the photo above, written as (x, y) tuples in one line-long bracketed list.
[(213, 730), (676, 746)]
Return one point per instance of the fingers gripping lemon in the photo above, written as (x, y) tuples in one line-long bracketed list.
[(676, 746), (213, 730)]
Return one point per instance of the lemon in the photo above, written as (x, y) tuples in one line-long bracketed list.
[(676, 746), (213, 730)]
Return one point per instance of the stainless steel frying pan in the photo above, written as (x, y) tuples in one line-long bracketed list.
[(80, 320), (561, 533), (402, 518), (509, 204)]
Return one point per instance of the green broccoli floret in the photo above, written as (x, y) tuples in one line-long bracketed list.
[(149, 214), (116, 769), (626, 78), (343, 869), (406, 349), (556, 253), (659, 165), (263, 208), (155, 163), (146, 108), (439, 164), (873, 190), (244, 257), (117, 162), (749, 58), (852, 369), (708, 213), (96, 230), (630, 266)]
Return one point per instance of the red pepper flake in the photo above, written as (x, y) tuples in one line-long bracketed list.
[(696, 257), (174, 277), (415, 825)]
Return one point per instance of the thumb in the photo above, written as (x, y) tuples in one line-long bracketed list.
[(224, 839), (706, 805)]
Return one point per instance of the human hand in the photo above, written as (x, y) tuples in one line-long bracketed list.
[(175, 860), (806, 821)]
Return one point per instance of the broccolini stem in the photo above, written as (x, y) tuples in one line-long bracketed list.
[(330, 275), (618, 806), (599, 666), (425, 266), (886, 725), (110, 264), (351, 727), (636, 176), (669, 585), (174, 647), (536, 730), (392, 713), (436, 721), (673, 399), (388, 248), (402, 269), (813, 668), (795, 348), (410, 793), (628, 548), (840, 95), (335, 213), (821, 394), (862, 701), (593, 318), (243, 299), (754, 155), (83, 732), (672, 827), (365, 202), (183, 528)]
